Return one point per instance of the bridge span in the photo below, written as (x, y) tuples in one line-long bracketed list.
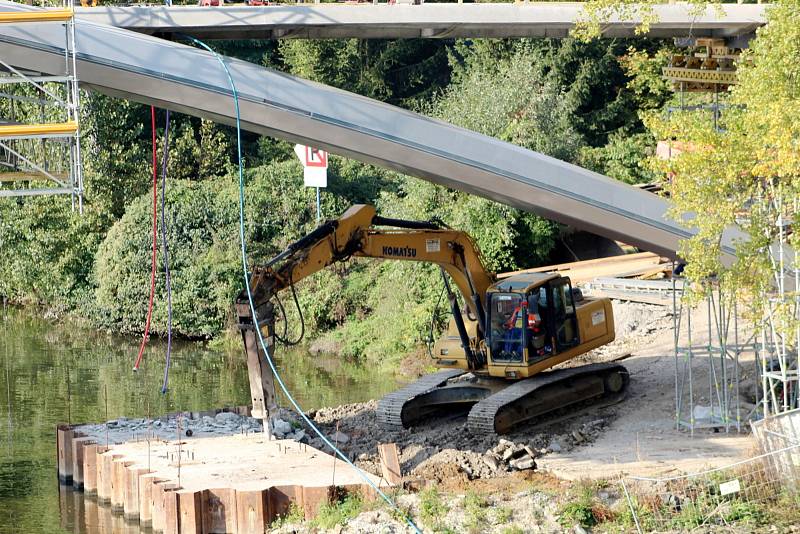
[(170, 75), (439, 20)]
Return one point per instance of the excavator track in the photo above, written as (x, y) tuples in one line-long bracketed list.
[(390, 407), (544, 393)]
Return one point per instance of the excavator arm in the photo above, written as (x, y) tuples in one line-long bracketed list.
[(359, 232)]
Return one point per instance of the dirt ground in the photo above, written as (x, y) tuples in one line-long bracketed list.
[(634, 437), (642, 439)]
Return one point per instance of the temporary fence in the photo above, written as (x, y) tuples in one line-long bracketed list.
[(739, 493)]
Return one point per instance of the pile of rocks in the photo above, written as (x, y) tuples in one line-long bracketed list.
[(509, 455), (287, 430), (183, 424)]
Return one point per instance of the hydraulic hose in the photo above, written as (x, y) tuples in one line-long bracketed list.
[(267, 356), (164, 160)]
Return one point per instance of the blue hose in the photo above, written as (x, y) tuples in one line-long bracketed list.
[(246, 272), (166, 254)]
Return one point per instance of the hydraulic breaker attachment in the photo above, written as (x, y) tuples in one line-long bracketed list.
[(262, 381)]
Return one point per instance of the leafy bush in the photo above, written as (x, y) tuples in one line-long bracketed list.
[(204, 252), (47, 251)]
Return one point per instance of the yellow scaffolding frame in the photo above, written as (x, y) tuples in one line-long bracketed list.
[(67, 128), (23, 131), (50, 15)]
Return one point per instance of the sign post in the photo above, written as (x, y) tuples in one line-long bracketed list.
[(315, 169)]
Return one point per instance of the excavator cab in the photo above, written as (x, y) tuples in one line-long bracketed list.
[(531, 319)]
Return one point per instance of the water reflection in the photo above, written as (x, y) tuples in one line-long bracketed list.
[(58, 372)]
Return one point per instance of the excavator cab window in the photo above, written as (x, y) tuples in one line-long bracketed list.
[(564, 318), (506, 326)]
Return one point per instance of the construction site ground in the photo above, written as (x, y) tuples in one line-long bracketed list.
[(637, 436)]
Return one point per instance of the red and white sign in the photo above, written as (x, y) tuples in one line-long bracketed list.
[(315, 165)]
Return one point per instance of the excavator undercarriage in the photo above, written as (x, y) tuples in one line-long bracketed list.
[(497, 405)]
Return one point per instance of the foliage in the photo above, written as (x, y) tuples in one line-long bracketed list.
[(744, 512), (650, 90), (397, 71), (624, 158), (503, 514), (596, 12), (579, 512), (475, 510), (589, 77), (293, 516), (432, 508), (583, 507), (205, 258), (331, 515), (733, 177), (47, 251), (116, 157)]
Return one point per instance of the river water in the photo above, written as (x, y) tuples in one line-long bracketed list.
[(54, 372)]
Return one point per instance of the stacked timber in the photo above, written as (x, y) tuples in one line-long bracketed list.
[(640, 265)]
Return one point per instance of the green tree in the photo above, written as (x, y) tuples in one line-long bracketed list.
[(735, 176), (400, 72)]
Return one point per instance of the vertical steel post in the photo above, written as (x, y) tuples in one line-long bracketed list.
[(319, 214)]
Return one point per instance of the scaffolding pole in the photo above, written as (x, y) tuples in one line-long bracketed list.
[(780, 337), (708, 360)]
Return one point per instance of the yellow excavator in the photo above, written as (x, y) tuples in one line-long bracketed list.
[(495, 351)]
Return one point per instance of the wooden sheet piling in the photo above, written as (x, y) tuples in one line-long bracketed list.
[(233, 483)]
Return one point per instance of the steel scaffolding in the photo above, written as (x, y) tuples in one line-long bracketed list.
[(39, 125), (780, 335), (708, 360)]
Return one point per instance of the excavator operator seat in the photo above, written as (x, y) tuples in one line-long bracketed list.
[(566, 323), (506, 324)]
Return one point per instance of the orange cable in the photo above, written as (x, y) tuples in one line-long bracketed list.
[(155, 242)]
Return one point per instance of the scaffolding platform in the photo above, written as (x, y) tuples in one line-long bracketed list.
[(39, 130)]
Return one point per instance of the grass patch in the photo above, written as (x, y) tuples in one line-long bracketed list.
[(337, 513), (503, 514), (475, 506), (745, 512), (432, 508), (584, 508)]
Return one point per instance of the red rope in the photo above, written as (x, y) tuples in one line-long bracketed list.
[(155, 243)]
